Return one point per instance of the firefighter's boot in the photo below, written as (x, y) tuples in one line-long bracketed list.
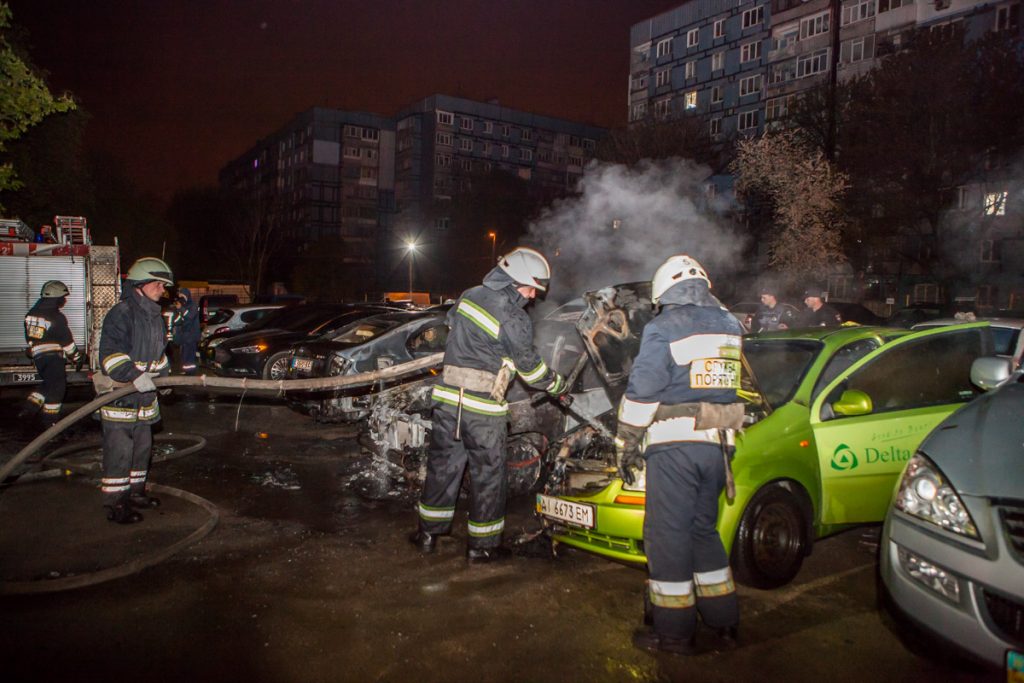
[(425, 542), (649, 640), (122, 512), (487, 555)]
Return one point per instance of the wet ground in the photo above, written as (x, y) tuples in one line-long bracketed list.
[(303, 579)]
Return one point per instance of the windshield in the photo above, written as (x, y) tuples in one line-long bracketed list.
[(363, 331), (779, 365), (221, 316), (296, 319)]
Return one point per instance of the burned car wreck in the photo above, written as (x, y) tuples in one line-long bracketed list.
[(543, 436)]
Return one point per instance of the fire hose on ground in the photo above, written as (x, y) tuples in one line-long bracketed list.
[(275, 387)]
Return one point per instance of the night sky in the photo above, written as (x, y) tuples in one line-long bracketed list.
[(177, 88)]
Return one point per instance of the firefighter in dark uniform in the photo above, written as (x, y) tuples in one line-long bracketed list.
[(49, 342), (186, 331), (818, 313), (771, 315), (677, 417), (490, 341), (132, 352)]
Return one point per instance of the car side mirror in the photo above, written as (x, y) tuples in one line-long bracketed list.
[(853, 402), (989, 372)]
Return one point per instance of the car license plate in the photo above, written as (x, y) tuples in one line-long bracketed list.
[(304, 364), (577, 514), (1014, 667)]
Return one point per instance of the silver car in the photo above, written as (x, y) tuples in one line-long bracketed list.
[(952, 549), (231, 318)]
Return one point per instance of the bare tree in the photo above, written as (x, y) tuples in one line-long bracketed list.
[(255, 232), (805, 191), (686, 138)]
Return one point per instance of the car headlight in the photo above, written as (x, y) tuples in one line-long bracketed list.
[(924, 493), (255, 348)]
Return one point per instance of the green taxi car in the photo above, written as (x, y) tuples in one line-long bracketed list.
[(833, 416)]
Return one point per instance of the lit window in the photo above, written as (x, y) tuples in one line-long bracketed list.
[(690, 100), (995, 203)]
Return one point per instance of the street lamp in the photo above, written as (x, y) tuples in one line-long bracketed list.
[(494, 238), (410, 246)]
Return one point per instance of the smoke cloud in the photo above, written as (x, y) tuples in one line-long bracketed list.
[(627, 220)]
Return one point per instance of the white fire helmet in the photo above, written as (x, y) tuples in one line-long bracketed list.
[(527, 267), (54, 289), (673, 271), (148, 269)]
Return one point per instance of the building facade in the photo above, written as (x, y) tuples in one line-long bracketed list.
[(370, 183)]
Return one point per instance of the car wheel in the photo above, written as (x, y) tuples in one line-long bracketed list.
[(277, 366), (771, 540)]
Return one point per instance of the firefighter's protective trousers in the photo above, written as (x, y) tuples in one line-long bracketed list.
[(482, 449), (688, 566), (49, 340)]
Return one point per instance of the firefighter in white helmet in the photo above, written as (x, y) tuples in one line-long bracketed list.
[(49, 343), (132, 347), (676, 418), (491, 340)]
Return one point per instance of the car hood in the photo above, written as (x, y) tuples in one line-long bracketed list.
[(980, 448), (247, 338)]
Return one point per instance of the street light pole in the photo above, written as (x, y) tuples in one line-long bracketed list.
[(410, 245)]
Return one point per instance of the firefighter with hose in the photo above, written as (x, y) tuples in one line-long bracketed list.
[(491, 340), (132, 346)]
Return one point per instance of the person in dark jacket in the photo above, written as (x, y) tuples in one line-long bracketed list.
[(818, 313), (185, 325), (490, 341), (49, 342), (771, 315), (132, 346), (677, 418)]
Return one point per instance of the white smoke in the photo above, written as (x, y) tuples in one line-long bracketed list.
[(627, 220)]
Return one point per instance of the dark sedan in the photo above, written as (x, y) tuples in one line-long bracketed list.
[(372, 343), (264, 350)]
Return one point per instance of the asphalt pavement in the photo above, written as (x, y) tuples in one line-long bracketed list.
[(304, 578)]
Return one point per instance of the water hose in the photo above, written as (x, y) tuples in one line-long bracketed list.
[(275, 386)]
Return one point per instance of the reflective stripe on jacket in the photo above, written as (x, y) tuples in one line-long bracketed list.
[(47, 331)]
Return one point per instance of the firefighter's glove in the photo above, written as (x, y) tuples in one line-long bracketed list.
[(144, 383), (558, 386), (628, 457)]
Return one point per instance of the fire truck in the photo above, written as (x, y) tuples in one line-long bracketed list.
[(65, 252)]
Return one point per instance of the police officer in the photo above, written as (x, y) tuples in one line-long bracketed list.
[(681, 403), (771, 315), (132, 351), (491, 339), (818, 313), (49, 342), (186, 331)]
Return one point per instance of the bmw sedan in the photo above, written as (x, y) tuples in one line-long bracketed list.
[(952, 549)]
